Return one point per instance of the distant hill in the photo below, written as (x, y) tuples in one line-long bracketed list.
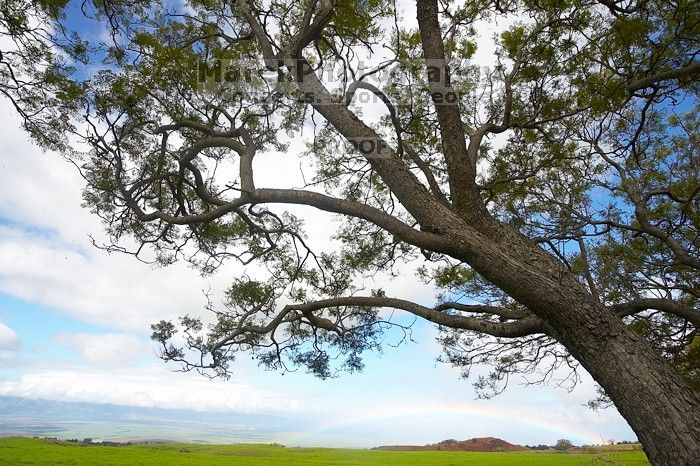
[(474, 444)]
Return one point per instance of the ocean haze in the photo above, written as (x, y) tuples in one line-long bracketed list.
[(66, 420)]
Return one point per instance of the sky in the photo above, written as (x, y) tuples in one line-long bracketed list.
[(74, 326)]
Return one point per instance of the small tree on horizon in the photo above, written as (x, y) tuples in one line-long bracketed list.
[(563, 445)]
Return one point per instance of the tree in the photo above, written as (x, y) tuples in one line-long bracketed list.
[(563, 445), (552, 198)]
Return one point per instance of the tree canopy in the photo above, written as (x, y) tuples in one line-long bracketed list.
[(552, 197)]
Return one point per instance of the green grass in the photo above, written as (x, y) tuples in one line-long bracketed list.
[(19, 450)]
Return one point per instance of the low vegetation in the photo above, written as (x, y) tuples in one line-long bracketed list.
[(19, 450)]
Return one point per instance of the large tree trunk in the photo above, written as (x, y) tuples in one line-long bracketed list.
[(662, 409)]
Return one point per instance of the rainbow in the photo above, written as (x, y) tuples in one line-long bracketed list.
[(470, 413)]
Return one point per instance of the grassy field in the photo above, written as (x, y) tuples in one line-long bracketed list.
[(17, 450)]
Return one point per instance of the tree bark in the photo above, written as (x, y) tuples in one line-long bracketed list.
[(661, 408)]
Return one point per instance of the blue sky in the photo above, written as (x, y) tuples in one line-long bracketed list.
[(74, 325)]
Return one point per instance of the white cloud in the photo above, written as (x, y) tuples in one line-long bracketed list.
[(9, 340), (48, 258), (152, 386), (108, 349), (40, 189), (115, 291)]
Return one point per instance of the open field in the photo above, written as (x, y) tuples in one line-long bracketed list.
[(17, 450)]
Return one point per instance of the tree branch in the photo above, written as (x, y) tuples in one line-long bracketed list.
[(462, 170), (665, 305), (690, 70), (527, 326)]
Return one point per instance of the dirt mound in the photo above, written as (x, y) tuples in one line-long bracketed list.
[(474, 444), (477, 444)]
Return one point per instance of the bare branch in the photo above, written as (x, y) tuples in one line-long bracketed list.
[(665, 305)]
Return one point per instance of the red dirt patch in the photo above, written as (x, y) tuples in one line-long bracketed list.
[(474, 444)]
